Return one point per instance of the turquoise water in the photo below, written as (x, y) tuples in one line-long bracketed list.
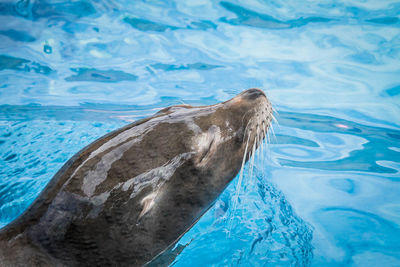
[(328, 193)]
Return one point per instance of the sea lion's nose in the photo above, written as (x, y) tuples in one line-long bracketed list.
[(252, 94)]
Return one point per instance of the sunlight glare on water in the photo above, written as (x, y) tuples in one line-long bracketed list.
[(328, 192)]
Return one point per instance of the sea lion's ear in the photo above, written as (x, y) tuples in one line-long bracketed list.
[(173, 109)]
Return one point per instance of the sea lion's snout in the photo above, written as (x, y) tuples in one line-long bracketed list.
[(252, 94), (255, 108), (257, 115)]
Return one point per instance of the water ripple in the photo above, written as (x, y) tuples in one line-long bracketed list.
[(271, 233), (109, 76), (364, 158), (254, 19), (21, 64), (146, 25), (71, 71), (18, 35)]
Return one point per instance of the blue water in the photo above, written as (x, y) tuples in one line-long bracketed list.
[(328, 193)]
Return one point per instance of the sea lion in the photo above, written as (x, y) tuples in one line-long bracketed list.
[(129, 196)]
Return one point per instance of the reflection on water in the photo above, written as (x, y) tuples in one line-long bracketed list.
[(254, 19), (271, 232), (21, 64), (347, 186), (71, 71), (374, 149)]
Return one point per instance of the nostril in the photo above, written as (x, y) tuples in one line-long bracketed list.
[(253, 93)]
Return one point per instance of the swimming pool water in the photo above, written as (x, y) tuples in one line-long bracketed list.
[(328, 193)]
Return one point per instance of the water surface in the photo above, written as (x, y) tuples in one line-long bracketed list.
[(328, 192)]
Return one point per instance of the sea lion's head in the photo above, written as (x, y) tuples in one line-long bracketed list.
[(225, 134), (231, 133)]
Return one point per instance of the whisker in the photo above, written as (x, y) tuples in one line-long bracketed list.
[(269, 143), (274, 119), (261, 159), (252, 157), (236, 197), (259, 127), (274, 110), (261, 148), (258, 140), (273, 133), (265, 141)]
